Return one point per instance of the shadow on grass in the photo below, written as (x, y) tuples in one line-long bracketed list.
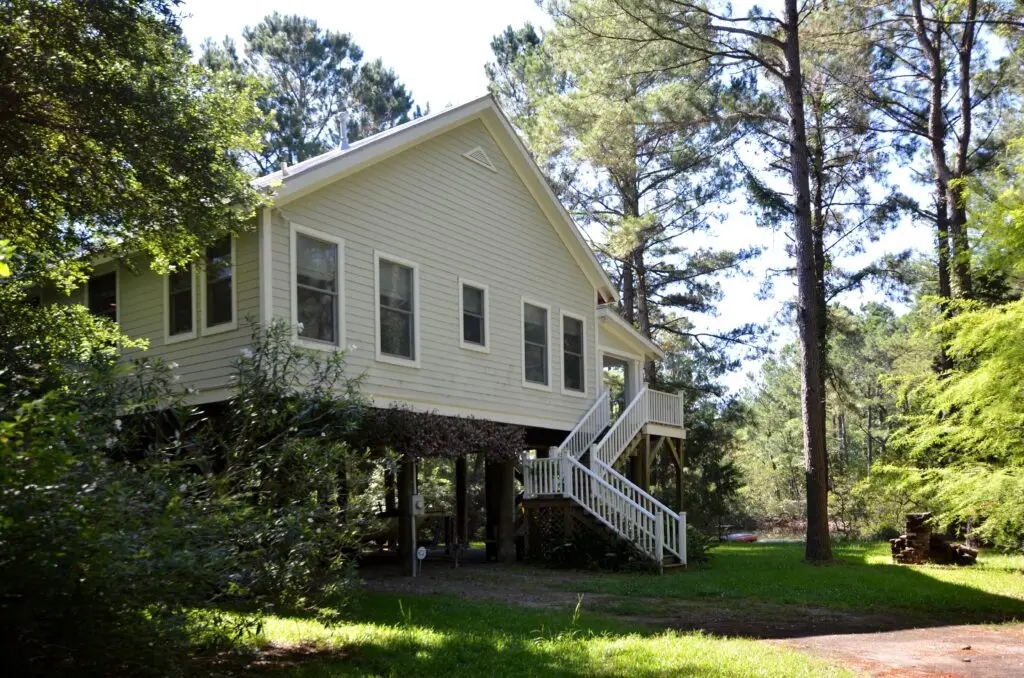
[(441, 635)]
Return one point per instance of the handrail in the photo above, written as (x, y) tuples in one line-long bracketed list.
[(655, 504), (588, 428), (623, 430), (674, 523), (613, 508)]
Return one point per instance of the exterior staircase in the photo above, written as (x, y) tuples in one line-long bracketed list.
[(582, 470)]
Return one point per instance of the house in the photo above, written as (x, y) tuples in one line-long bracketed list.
[(436, 255)]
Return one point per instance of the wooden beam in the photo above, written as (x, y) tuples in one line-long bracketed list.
[(406, 520), (462, 501)]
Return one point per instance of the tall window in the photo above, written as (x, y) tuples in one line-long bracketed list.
[(317, 288), (180, 304), (220, 306), (572, 354), (397, 309), (474, 316), (535, 344), (103, 295)]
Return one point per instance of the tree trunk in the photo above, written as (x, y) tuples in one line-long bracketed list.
[(957, 206), (808, 301)]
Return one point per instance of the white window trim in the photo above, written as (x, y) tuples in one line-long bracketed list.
[(522, 344), (117, 292), (185, 336), (233, 324), (561, 344), (417, 327), (339, 310), (470, 346)]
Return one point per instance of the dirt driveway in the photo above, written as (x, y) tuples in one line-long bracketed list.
[(869, 643)]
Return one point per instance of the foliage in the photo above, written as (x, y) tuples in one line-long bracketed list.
[(112, 140), (122, 509), (422, 435), (317, 88)]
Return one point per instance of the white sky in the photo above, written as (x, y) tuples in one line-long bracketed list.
[(439, 48)]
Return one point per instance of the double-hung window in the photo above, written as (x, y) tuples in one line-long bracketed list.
[(535, 346), (397, 310), (102, 295), (180, 310), (573, 354), (219, 285), (316, 287), (473, 311)]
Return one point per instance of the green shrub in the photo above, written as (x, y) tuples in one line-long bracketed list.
[(128, 519)]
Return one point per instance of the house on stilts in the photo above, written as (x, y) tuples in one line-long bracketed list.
[(437, 256)]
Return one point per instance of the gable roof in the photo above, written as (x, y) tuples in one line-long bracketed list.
[(310, 175)]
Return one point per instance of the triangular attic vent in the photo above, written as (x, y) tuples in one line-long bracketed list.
[(479, 156)]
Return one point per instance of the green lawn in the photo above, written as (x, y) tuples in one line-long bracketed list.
[(441, 635), (863, 579)]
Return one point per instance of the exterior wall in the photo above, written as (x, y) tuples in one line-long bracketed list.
[(206, 362), (453, 218)]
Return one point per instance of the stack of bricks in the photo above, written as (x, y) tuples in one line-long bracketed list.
[(919, 545), (912, 548)]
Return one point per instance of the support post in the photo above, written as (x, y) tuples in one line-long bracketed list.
[(565, 472), (506, 511), (462, 501), (682, 536), (659, 539), (406, 519)]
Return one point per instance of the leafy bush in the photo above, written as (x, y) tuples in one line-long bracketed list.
[(127, 519)]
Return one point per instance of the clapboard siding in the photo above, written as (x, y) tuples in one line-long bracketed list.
[(454, 218), (205, 362)]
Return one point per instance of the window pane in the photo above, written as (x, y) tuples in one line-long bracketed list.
[(180, 302), (572, 335), (218, 302), (535, 324), (472, 300), (395, 286), (536, 364), (574, 372), (103, 295), (472, 329), (316, 314), (317, 263), (396, 333), (218, 260)]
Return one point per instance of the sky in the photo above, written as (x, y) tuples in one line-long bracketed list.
[(439, 48)]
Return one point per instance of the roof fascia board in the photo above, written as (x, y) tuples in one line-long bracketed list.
[(621, 329)]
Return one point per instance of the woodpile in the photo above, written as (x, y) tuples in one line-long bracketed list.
[(920, 545)]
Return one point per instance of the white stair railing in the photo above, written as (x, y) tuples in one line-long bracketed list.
[(675, 523), (622, 515), (588, 428), (647, 407), (602, 491)]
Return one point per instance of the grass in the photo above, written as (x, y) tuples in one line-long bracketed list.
[(441, 635), (863, 578)]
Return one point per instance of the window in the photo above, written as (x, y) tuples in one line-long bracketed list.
[(181, 308), (473, 311), (316, 291), (219, 284), (535, 345), (102, 295), (397, 307), (573, 353)]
